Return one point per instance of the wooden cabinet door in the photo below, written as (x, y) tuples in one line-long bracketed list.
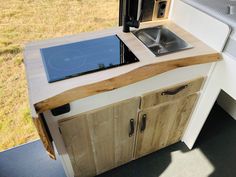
[(100, 140), (163, 124), (77, 140)]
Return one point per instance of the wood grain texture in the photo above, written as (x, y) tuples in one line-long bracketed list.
[(101, 128), (120, 81), (43, 134), (77, 140), (99, 140), (45, 96), (124, 145), (165, 124), (157, 97)]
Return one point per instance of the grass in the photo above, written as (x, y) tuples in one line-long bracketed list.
[(22, 21)]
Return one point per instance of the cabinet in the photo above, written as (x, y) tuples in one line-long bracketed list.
[(164, 115), (102, 139), (163, 125)]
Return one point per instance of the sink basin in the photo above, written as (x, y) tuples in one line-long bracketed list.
[(161, 40)]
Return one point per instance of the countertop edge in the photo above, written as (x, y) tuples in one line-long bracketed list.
[(140, 73)]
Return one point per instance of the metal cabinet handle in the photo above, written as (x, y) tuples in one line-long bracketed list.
[(143, 122), (173, 92), (131, 132)]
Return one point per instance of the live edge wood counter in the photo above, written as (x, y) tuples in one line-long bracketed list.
[(44, 96)]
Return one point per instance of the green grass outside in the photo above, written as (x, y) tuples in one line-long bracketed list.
[(22, 21)]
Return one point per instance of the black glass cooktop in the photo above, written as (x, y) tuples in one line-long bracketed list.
[(70, 60)]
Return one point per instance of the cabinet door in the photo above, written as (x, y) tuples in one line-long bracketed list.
[(100, 140), (77, 140), (163, 125)]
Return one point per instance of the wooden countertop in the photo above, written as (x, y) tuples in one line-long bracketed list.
[(44, 96)]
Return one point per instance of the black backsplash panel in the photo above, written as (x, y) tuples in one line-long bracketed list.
[(148, 6)]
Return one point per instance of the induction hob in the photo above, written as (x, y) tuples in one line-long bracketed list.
[(75, 59)]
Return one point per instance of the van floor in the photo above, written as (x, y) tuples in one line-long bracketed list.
[(214, 155)]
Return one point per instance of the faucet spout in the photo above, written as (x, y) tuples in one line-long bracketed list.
[(130, 14)]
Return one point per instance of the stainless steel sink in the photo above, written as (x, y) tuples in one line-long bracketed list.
[(161, 40)]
